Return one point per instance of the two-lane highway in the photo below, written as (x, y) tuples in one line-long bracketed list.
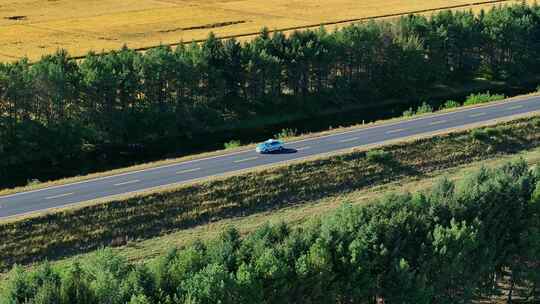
[(58, 196)]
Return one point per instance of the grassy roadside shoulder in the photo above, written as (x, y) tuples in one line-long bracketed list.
[(477, 86), (148, 215)]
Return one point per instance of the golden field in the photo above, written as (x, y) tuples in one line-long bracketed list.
[(33, 28)]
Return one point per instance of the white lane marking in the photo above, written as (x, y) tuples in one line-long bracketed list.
[(395, 131), (489, 105), (245, 159), (126, 173), (303, 148), (128, 182), (188, 170), (515, 107), (59, 196), (438, 122), (477, 114), (349, 139)]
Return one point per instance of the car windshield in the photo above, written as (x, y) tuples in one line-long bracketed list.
[(274, 143)]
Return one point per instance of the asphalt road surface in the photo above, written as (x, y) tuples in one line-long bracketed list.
[(58, 196)]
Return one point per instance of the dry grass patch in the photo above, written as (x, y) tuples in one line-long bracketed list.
[(35, 27)]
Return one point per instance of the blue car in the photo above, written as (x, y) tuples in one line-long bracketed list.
[(270, 145)]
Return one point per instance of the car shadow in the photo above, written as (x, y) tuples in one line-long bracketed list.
[(284, 151)]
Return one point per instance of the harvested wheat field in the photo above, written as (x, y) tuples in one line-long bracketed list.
[(35, 27)]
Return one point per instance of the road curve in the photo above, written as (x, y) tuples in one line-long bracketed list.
[(58, 196)]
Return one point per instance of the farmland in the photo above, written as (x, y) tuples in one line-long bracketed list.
[(33, 28)]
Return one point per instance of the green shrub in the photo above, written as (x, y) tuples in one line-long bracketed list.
[(450, 104), (232, 144), (408, 113), (378, 156), (492, 132), (88, 148), (482, 98), (424, 108), (286, 133), (485, 133), (33, 182), (478, 134)]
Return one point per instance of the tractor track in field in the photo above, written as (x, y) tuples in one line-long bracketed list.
[(315, 25)]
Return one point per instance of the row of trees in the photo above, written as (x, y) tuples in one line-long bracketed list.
[(451, 244), (57, 111)]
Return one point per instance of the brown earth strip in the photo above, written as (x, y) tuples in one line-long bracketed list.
[(316, 25)]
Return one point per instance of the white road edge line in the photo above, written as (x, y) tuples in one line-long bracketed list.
[(245, 159), (59, 196), (515, 107), (395, 131), (128, 182), (303, 148), (188, 170)]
